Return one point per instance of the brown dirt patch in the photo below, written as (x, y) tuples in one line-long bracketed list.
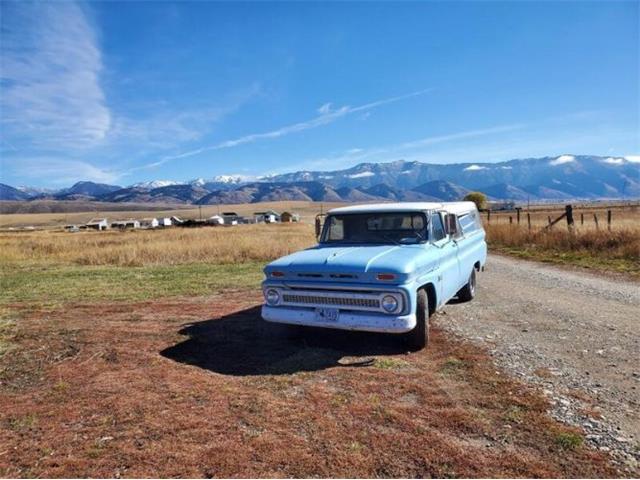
[(204, 388)]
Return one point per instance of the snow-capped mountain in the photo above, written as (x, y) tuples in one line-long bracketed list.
[(573, 176), (237, 179), (155, 184), (563, 177), (35, 191)]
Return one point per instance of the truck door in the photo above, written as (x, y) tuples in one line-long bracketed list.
[(449, 265)]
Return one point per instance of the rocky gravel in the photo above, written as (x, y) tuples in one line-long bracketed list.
[(575, 335)]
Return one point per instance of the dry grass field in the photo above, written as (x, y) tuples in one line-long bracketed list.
[(614, 249), (143, 354), (307, 211), (623, 216), (587, 245), (174, 246)]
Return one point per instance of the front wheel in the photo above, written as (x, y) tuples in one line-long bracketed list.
[(418, 338), (467, 292)]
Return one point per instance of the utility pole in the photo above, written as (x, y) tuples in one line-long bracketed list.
[(200, 209)]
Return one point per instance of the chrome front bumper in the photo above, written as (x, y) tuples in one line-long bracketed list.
[(348, 320)]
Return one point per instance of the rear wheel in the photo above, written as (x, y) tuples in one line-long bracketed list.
[(467, 292), (418, 338)]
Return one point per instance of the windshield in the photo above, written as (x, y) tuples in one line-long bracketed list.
[(396, 227)]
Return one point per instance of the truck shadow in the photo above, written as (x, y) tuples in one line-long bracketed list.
[(243, 344)]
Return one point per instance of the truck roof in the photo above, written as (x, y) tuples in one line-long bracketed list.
[(451, 207)]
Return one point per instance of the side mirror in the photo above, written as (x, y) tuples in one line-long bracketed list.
[(319, 224), (451, 224)]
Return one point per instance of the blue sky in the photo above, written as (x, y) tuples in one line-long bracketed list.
[(126, 92)]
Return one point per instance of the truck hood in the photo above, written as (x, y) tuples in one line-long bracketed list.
[(354, 263)]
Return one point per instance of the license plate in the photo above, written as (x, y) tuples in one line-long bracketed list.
[(327, 314)]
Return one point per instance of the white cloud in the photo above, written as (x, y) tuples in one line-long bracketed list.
[(461, 135), (324, 109), (62, 171), (51, 64), (330, 115), (614, 161), (473, 168), (633, 158), (562, 159), (386, 153)]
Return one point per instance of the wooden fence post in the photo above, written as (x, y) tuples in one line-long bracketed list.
[(595, 219), (529, 220), (510, 220), (549, 218), (488, 216), (609, 220), (569, 212), (582, 219), (518, 215)]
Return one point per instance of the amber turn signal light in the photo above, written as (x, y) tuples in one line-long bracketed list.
[(385, 276)]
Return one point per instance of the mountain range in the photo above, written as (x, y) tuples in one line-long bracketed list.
[(536, 179)]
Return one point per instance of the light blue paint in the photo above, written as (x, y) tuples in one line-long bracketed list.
[(446, 264)]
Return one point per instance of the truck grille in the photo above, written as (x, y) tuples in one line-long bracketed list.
[(373, 303)]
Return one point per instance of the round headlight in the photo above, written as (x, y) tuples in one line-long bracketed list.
[(389, 303), (272, 296)]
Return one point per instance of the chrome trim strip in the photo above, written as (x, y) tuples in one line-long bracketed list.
[(349, 299)]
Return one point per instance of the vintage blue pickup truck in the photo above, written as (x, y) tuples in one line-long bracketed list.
[(380, 268)]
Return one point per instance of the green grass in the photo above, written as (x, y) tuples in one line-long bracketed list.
[(6, 334), (23, 423), (58, 284), (454, 366), (568, 440), (390, 363)]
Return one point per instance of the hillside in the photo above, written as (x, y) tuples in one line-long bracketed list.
[(565, 177)]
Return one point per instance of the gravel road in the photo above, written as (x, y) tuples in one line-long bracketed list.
[(576, 335)]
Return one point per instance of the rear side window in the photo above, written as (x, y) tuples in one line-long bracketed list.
[(437, 227), (469, 222)]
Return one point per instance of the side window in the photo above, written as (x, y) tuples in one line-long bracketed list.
[(336, 229), (468, 223), (437, 227)]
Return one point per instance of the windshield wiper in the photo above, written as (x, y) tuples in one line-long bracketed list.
[(390, 239), (419, 235)]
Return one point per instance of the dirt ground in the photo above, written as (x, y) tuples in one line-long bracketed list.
[(573, 333), (202, 387)]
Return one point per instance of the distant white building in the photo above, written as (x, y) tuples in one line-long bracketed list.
[(149, 223), (215, 220), (231, 218), (164, 222), (269, 216), (504, 205), (98, 224), (122, 224)]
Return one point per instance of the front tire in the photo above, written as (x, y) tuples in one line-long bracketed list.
[(468, 292), (418, 338)]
